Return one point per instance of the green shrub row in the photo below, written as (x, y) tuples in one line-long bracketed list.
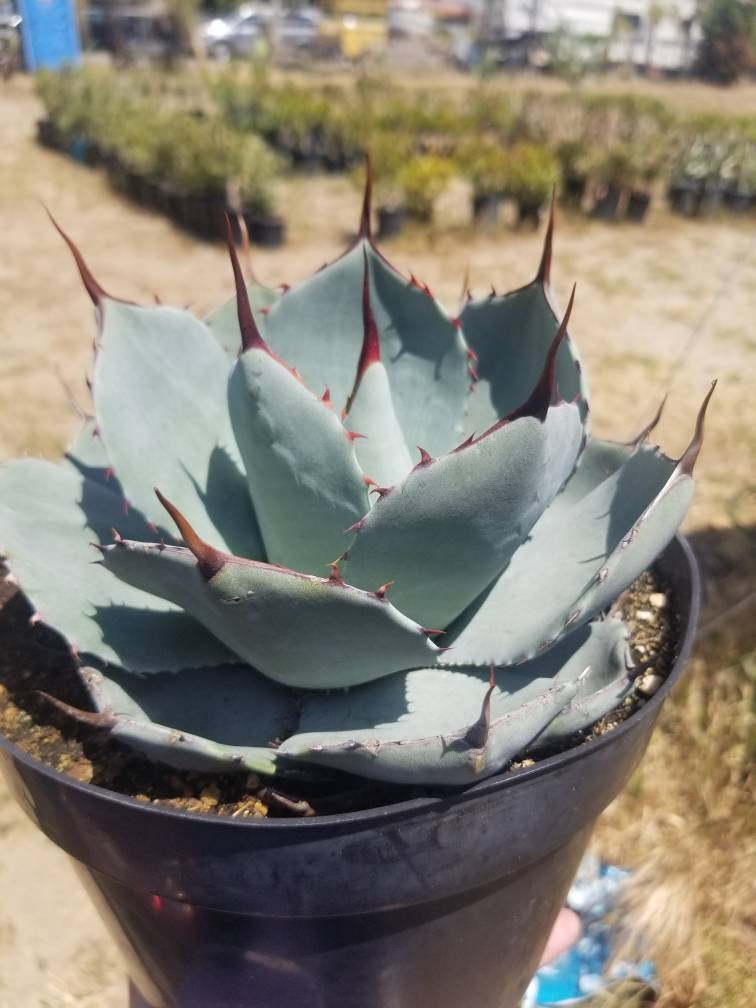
[(503, 143), (178, 145), (203, 133)]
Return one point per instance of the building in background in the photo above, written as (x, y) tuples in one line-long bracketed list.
[(649, 35)]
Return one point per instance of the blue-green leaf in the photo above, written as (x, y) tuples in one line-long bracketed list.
[(224, 321), (49, 516), (298, 629), (511, 336), (303, 475), (161, 411), (453, 524), (582, 553), (317, 328), (216, 719)]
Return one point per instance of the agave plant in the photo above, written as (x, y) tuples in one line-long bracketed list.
[(337, 596)]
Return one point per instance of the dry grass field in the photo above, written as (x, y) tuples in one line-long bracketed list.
[(661, 307)]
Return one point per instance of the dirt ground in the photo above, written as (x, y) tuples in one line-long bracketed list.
[(665, 306)]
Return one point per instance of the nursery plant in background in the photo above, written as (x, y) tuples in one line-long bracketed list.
[(422, 179), (531, 175), (484, 163), (187, 163), (383, 544)]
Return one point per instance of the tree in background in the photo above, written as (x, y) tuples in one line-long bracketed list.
[(728, 46)]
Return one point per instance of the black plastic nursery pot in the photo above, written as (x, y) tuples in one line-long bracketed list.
[(486, 208), (738, 202), (638, 202), (391, 221), (443, 902), (606, 203), (267, 231), (685, 198), (48, 135), (573, 191)]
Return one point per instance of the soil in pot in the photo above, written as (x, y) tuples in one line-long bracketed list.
[(33, 662)]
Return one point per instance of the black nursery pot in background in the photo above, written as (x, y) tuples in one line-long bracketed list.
[(486, 208), (266, 230), (685, 197), (606, 203), (638, 202), (443, 902), (391, 221)]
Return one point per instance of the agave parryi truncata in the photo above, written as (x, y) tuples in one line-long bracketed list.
[(350, 471)]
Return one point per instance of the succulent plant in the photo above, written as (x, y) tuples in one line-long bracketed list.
[(295, 623)]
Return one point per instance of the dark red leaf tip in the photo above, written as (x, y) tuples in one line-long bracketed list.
[(241, 223), (104, 719), (690, 456), (538, 402), (209, 560), (544, 270), (93, 288), (367, 203), (642, 435), (371, 343), (250, 334)]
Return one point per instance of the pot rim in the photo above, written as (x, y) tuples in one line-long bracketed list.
[(412, 806)]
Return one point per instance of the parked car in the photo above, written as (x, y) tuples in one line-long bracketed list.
[(132, 32), (297, 29), (235, 36)]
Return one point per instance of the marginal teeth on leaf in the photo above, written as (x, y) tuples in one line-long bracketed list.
[(544, 270)]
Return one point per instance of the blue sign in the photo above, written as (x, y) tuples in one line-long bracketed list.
[(49, 34)]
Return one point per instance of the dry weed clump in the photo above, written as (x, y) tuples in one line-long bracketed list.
[(688, 820)]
